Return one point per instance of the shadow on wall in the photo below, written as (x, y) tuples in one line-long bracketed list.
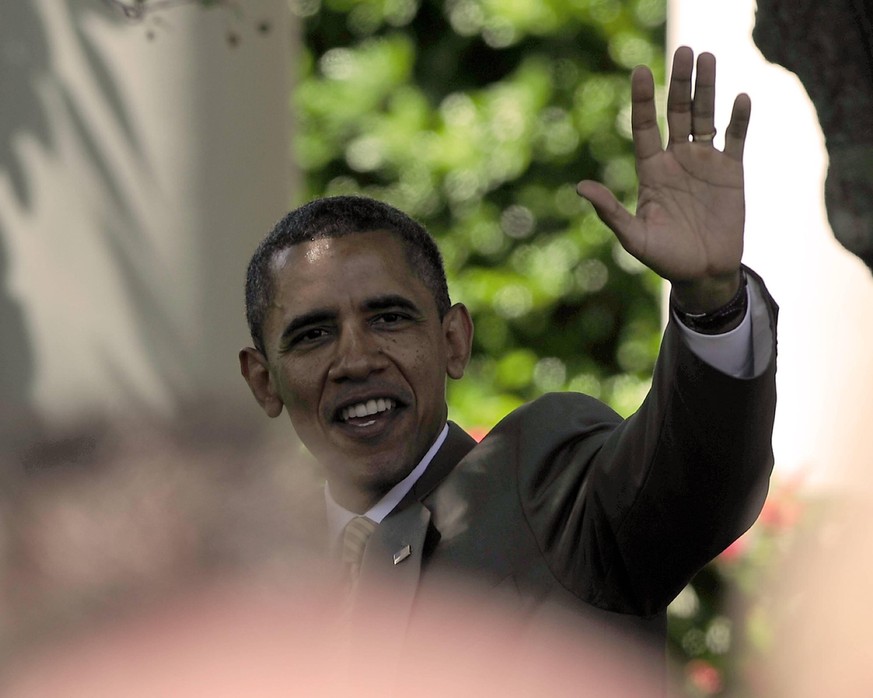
[(24, 59), (37, 100)]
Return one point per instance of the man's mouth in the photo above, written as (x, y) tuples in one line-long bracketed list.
[(363, 410)]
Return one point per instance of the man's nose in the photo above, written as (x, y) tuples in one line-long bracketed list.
[(358, 355)]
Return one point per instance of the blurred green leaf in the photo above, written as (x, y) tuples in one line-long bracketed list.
[(478, 117)]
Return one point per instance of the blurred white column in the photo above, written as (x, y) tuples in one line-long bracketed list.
[(824, 425), (145, 162)]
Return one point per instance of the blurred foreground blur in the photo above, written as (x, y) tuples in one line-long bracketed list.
[(823, 626), (172, 559), (156, 560)]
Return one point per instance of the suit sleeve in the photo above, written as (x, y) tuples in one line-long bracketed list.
[(625, 512)]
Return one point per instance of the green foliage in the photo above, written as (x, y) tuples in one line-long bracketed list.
[(478, 117)]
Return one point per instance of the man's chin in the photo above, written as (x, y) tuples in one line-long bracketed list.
[(364, 482)]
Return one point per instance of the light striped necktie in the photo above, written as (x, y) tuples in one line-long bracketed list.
[(355, 536)]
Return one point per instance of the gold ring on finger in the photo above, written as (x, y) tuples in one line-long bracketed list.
[(703, 137)]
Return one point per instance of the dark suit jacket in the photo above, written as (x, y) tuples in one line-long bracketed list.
[(565, 504)]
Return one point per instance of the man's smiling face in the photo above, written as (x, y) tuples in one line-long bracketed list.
[(358, 355)]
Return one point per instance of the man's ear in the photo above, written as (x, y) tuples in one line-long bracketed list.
[(254, 368), (458, 332)]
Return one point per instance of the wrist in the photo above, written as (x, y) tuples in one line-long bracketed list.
[(719, 320), (706, 295)]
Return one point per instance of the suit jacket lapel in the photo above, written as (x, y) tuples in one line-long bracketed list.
[(390, 570), (395, 552), (457, 445)]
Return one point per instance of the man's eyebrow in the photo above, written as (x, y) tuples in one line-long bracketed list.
[(391, 300)]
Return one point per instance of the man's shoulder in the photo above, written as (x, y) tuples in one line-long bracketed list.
[(530, 434), (559, 410)]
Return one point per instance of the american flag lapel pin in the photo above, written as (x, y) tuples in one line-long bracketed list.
[(402, 554)]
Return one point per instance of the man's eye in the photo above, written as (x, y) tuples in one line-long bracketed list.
[(311, 335), (389, 318)]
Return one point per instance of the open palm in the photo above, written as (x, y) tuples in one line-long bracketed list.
[(690, 213)]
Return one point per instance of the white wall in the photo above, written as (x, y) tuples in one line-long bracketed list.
[(145, 161), (825, 370)]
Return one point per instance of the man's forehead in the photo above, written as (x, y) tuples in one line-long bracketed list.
[(315, 267), (310, 250), (382, 246)]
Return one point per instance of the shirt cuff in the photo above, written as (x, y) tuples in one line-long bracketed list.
[(730, 352)]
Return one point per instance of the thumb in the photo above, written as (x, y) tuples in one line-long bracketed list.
[(607, 207), (618, 219)]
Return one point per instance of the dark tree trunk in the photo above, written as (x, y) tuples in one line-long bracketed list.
[(829, 45)]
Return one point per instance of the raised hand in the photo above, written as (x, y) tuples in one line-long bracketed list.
[(690, 213)]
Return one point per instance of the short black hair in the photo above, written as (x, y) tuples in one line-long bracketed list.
[(333, 217)]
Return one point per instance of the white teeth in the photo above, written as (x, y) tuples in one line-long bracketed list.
[(366, 409)]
